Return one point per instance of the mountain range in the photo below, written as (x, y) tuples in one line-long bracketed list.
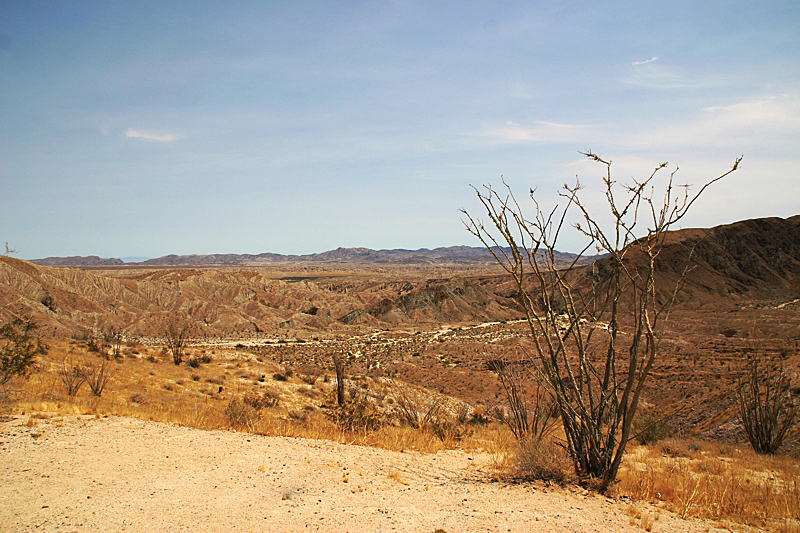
[(450, 254)]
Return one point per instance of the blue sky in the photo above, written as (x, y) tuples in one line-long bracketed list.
[(148, 128)]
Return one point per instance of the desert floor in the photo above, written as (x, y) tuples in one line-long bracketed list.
[(82, 473)]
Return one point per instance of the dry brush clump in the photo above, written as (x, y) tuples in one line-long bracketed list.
[(694, 479)]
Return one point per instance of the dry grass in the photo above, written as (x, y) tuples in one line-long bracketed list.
[(537, 459), (149, 386), (741, 487)]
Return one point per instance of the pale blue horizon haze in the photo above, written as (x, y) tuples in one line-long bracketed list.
[(151, 128)]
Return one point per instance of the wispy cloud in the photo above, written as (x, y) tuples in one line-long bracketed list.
[(160, 137), (772, 119), (655, 73), (541, 131)]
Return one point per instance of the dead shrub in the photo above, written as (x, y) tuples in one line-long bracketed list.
[(264, 400), (650, 428), (674, 448), (242, 415), (139, 398), (219, 380), (72, 376), (541, 459)]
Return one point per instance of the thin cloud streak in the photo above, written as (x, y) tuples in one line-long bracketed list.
[(160, 137), (512, 132)]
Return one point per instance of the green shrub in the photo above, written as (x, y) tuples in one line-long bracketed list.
[(21, 346)]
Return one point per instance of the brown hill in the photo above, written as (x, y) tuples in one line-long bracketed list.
[(455, 300), (755, 260), (225, 302), (749, 261)]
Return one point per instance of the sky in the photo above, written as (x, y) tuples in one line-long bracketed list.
[(147, 128)]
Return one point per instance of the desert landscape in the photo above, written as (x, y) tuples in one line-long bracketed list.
[(432, 267), (245, 432)]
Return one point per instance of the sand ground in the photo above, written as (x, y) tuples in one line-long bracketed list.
[(79, 473)]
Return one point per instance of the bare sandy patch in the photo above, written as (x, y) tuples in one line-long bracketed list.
[(80, 473)]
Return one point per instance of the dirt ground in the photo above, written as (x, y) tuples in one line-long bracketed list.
[(79, 473)]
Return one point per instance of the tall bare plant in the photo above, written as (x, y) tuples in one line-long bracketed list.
[(97, 376), (532, 407), (596, 330), (766, 405), (72, 376), (339, 366), (176, 335)]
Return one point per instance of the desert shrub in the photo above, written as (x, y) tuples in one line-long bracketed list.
[(205, 359), (766, 405), (309, 379), (450, 431), (241, 415), (650, 428), (91, 344), (20, 348), (297, 415), (478, 419), (279, 377), (541, 459), (176, 335), (360, 414), (306, 391), (72, 376), (139, 398), (261, 401), (674, 448), (97, 377), (411, 410), (193, 362), (218, 380)]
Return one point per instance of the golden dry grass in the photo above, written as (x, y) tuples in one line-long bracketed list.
[(146, 384), (720, 483)]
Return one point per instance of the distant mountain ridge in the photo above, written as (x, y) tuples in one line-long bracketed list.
[(449, 254)]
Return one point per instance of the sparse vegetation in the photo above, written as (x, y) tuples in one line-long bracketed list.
[(740, 486), (534, 422)]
